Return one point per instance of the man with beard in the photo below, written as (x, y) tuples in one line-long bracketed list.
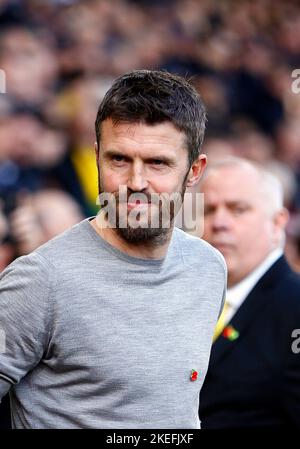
[(109, 325)]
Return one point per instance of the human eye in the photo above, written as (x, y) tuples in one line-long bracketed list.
[(118, 159), (158, 162), (209, 210), (240, 209)]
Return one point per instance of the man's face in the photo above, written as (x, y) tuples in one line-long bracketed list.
[(238, 221), (149, 160)]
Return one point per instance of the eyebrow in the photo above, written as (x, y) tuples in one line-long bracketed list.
[(230, 204), (238, 203), (162, 157)]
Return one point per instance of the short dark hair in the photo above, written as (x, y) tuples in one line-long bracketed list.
[(154, 96)]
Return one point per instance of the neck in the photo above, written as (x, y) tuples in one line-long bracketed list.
[(147, 250), (261, 266)]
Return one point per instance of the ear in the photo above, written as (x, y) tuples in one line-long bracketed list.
[(196, 170), (281, 219)]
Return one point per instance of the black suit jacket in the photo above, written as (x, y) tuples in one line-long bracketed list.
[(254, 380)]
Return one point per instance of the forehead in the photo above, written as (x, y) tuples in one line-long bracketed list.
[(232, 184), (141, 135)]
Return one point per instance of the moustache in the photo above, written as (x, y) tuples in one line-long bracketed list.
[(137, 197)]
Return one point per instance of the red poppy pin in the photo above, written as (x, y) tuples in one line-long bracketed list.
[(194, 375), (230, 333)]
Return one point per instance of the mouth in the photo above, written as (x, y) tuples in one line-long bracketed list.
[(137, 204), (222, 246)]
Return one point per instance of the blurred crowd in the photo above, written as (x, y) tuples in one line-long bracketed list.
[(60, 57)]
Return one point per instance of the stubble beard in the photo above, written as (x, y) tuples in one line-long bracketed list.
[(152, 236)]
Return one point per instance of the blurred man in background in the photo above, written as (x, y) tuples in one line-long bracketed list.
[(40, 216), (253, 378)]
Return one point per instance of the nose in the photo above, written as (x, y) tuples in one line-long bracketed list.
[(137, 181), (220, 220)]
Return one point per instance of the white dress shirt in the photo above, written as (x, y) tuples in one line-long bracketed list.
[(237, 294)]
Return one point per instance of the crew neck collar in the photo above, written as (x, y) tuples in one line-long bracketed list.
[(121, 254)]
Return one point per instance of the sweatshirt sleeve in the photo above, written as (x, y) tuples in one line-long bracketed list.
[(24, 317), (4, 387)]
